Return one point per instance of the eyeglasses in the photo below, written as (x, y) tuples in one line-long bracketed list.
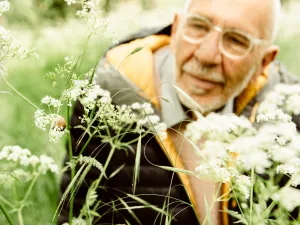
[(234, 44)]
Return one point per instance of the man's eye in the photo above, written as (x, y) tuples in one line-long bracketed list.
[(202, 27), (241, 41)]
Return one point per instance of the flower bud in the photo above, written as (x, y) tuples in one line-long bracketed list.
[(60, 122)]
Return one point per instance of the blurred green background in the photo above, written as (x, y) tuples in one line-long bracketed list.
[(51, 28)]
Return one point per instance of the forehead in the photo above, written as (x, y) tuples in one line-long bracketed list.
[(246, 15)]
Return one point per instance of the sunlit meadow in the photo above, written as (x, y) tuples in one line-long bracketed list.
[(56, 39)]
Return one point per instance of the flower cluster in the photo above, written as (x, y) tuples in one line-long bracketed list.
[(55, 122), (280, 103), (9, 49), (48, 100), (92, 14), (4, 6), (77, 221), (223, 128), (123, 117), (62, 71), (70, 2), (23, 157), (232, 147)]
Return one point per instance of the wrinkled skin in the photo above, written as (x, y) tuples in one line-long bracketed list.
[(203, 72)]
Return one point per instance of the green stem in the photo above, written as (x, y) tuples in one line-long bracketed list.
[(18, 93), (215, 197), (251, 194), (72, 167), (269, 209), (106, 165), (84, 51), (6, 214), (2, 199), (135, 140), (20, 217), (30, 187), (86, 144)]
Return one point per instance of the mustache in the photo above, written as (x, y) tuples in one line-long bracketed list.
[(203, 72)]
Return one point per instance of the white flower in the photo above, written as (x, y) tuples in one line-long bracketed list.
[(154, 119), (78, 221), (161, 130), (41, 119), (136, 105), (77, 89), (214, 150), (4, 6), (33, 160), (6, 180), (224, 128), (293, 104), (283, 154), (295, 180), (48, 100), (273, 115), (213, 171), (256, 158), (24, 157), (47, 164), (242, 184), (70, 2), (55, 133), (286, 169), (289, 198), (276, 98), (147, 108)]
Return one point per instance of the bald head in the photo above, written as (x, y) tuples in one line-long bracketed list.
[(269, 12)]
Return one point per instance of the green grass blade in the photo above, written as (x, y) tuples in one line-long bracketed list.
[(177, 170), (6, 214), (207, 211), (136, 171), (130, 210), (116, 171), (155, 208)]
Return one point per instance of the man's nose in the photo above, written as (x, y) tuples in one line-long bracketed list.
[(208, 53)]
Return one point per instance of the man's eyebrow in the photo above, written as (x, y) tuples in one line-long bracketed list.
[(194, 16)]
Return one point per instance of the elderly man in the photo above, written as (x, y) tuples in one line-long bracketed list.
[(220, 53)]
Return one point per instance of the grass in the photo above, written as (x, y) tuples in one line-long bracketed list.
[(53, 43)]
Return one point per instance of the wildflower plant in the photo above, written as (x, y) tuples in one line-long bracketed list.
[(260, 162), (101, 118), (268, 151), (23, 169)]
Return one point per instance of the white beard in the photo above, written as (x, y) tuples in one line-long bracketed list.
[(217, 103)]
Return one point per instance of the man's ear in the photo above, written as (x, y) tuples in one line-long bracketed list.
[(269, 56), (174, 29)]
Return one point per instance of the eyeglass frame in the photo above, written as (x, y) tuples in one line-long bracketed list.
[(253, 40)]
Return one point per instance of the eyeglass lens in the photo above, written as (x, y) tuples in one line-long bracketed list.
[(232, 42)]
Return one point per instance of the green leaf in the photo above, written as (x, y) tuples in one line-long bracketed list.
[(136, 171), (166, 100), (207, 211), (116, 171), (136, 50), (90, 160), (65, 194), (189, 98), (129, 210), (177, 170), (147, 204), (6, 92)]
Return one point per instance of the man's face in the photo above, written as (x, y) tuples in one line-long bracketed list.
[(203, 71)]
